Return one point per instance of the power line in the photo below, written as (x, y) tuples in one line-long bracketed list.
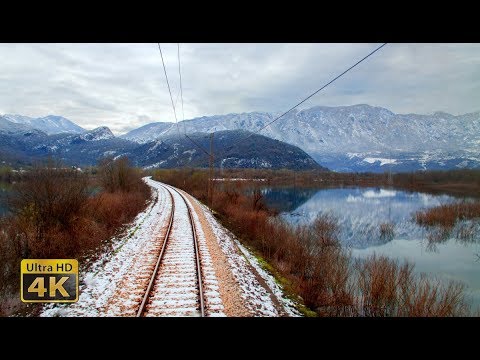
[(308, 97), (197, 144), (181, 88), (314, 93), (168, 84), (171, 98)]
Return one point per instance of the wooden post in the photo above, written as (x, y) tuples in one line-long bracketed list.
[(210, 186), (294, 189)]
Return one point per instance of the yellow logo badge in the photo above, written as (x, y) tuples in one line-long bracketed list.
[(49, 280)]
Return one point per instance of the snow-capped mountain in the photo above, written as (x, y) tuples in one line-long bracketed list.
[(147, 132), (347, 138), (9, 127), (20, 144), (100, 133), (17, 140), (257, 151), (50, 124), (356, 138)]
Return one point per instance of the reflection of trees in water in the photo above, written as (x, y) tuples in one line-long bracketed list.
[(464, 232), (367, 235), (287, 199), (467, 232), (437, 236), (387, 231)]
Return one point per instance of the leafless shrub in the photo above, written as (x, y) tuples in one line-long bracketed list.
[(387, 231), (387, 288), (54, 216), (448, 214)]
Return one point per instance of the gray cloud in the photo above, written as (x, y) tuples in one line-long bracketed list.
[(123, 85)]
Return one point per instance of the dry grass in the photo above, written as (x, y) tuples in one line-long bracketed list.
[(447, 215)]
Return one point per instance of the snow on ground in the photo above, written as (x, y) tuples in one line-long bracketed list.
[(382, 161), (237, 179), (99, 285), (256, 297), (213, 301), (175, 292), (288, 305)]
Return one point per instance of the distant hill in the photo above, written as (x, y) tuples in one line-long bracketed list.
[(18, 140), (84, 149), (50, 124), (20, 144), (147, 133), (355, 138), (257, 151)]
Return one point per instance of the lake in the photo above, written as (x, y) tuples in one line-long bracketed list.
[(360, 213)]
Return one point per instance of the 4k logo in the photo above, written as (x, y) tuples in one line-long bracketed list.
[(49, 280)]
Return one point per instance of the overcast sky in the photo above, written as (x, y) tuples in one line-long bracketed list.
[(123, 85)]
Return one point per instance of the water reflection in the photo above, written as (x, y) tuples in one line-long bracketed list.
[(376, 220), (464, 232), (368, 216), (287, 199), (450, 261)]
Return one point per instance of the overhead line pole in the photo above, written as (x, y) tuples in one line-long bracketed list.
[(210, 182)]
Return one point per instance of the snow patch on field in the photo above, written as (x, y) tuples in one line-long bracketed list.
[(288, 305), (237, 179), (382, 161), (257, 299)]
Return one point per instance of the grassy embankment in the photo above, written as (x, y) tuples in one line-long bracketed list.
[(309, 260), (54, 215)]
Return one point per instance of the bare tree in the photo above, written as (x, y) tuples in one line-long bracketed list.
[(49, 196), (118, 175)]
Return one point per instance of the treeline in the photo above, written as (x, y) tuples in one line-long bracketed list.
[(61, 212), (8, 175), (464, 182), (310, 261)]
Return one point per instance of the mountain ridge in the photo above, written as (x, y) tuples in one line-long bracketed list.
[(22, 145), (332, 134), (345, 138), (50, 124)]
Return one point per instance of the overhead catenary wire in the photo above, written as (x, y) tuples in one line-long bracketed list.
[(171, 98), (314, 93), (168, 85), (181, 88), (197, 144), (304, 100), (210, 154)]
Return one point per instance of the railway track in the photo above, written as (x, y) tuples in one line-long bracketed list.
[(176, 286)]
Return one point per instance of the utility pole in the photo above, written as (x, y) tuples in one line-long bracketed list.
[(210, 182), (294, 189)]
